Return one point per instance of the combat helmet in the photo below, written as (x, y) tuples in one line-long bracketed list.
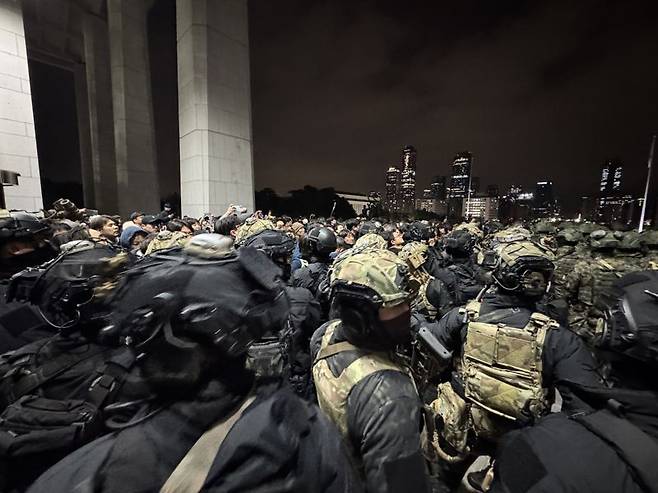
[(250, 227), (601, 239), (650, 238), (512, 234), (629, 329), (460, 242), (544, 228), (568, 236), (363, 284), (319, 242), (277, 245), (370, 240), (524, 267), (471, 228), (414, 254), (631, 241)]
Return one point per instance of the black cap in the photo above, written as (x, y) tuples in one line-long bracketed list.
[(151, 219), (135, 215)]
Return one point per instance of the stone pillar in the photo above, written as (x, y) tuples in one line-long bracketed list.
[(101, 122), (18, 145), (134, 142), (214, 104)]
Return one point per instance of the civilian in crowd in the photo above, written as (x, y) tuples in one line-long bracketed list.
[(103, 228)]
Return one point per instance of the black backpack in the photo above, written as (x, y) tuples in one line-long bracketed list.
[(52, 396)]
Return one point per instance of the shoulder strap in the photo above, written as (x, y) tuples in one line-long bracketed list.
[(112, 376), (190, 474), (332, 349), (635, 447)]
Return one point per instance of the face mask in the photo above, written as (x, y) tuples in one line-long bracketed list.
[(398, 329)]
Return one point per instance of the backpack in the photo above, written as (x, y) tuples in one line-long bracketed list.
[(52, 394), (468, 286)]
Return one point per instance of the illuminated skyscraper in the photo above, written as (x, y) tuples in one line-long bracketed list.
[(393, 189), (611, 175), (461, 175), (408, 180)]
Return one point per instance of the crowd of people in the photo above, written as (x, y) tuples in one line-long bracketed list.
[(249, 352)]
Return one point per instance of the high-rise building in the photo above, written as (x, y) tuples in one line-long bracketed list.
[(544, 199), (393, 189), (611, 175), (461, 175), (493, 191), (438, 187), (483, 208), (408, 180), (612, 206)]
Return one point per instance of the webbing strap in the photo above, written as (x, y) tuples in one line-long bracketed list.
[(332, 349), (192, 471), (635, 447)]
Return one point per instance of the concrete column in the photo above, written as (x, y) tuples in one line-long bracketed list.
[(214, 104), (134, 142), (18, 145), (101, 122)]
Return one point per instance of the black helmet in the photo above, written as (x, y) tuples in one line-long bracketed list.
[(63, 289), (187, 300), (276, 244), (460, 243), (418, 231), (320, 241), (20, 224), (629, 327)]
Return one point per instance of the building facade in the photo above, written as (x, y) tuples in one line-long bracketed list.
[(393, 200), (155, 103), (481, 207), (408, 180)]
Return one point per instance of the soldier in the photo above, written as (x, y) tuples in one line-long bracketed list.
[(613, 445), (209, 426), (23, 243), (317, 247), (462, 276), (509, 360), (292, 343), (166, 239), (568, 253), (360, 383), (650, 239), (433, 298), (613, 255)]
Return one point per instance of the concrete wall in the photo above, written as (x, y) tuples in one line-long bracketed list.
[(214, 103), (134, 142), (18, 145)]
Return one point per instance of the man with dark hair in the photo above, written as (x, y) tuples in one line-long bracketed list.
[(228, 226), (151, 224), (103, 228)]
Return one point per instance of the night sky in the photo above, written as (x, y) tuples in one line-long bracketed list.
[(535, 90)]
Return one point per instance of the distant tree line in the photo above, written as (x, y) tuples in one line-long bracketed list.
[(304, 202)]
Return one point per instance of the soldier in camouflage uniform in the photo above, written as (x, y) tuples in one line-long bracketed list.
[(509, 358), (650, 239), (568, 253), (251, 227), (433, 299), (361, 385), (166, 239), (613, 255)]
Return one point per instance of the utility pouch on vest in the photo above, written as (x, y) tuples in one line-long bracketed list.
[(502, 368)]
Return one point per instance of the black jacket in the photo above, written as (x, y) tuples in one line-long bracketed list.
[(281, 443), (559, 454), (20, 323), (565, 359), (384, 424), (463, 277)]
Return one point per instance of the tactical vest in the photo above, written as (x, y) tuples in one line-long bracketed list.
[(333, 391), (420, 303), (501, 366)]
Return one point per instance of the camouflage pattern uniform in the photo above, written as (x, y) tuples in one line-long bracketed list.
[(613, 255), (570, 251), (650, 239), (364, 388), (252, 226), (415, 254), (167, 239)]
